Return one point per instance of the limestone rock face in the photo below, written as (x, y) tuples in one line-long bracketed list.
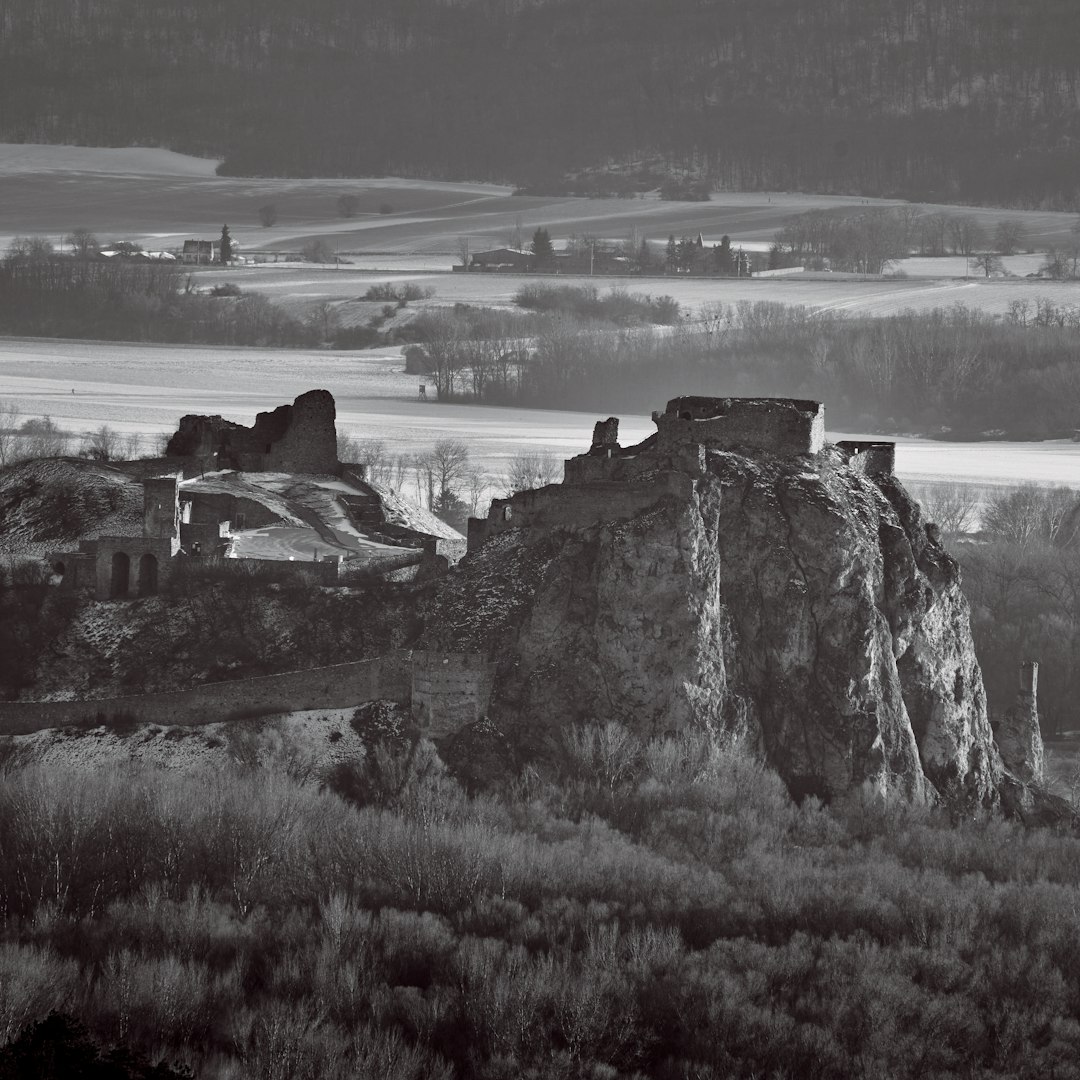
[(790, 603)]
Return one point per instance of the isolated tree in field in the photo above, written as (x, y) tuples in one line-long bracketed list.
[(541, 247), (987, 262), (1008, 236), (347, 205), (317, 251), (84, 243), (225, 250), (463, 251), (268, 215)]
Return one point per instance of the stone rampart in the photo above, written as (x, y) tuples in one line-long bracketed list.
[(338, 687), (869, 458), (785, 426), (580, 504), (450, 690)]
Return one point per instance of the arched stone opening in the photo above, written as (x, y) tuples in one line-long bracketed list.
[(121, 571), (148, 575)]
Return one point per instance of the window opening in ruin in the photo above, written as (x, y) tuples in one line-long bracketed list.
[(148, 575), (121, 570)]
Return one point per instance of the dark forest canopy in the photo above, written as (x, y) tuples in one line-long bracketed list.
[(966, 100)]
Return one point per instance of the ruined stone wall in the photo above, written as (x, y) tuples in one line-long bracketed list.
[(161, 548), (338, 687), (574, 505), (772, 425), (869, 458), (161, 506), (309, 441), (450, 690)]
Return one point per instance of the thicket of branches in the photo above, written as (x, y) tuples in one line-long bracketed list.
[(949, 370), (649, 910), (60, 296), (1022, 578)]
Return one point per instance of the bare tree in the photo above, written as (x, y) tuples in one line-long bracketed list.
[(463, 251), (100, 445), (347, 205), (1008, 235), (324, 319), (965, 234), (84, 244), (268, 215), (954, 507), (527, 470), (43, 437), (987, 262), (30, 247), (9, 438), (445, 467)]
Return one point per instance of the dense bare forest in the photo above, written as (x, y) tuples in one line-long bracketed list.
[(657, 910), (967, 100)]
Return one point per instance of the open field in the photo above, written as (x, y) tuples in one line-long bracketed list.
[(159, 198), (823, 292), (146, 388)]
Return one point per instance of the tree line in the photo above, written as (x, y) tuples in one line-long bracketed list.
[(43, 294), (956, 373), (967, 100)]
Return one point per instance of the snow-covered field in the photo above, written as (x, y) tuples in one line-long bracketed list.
[(159, 199), (147, 388)]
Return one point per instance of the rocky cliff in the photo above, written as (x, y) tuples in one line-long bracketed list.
[(789, 602)]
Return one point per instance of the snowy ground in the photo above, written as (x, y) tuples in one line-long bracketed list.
[(147, 388), (305, 743)]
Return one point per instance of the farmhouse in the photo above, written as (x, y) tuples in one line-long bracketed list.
[(200, 251)]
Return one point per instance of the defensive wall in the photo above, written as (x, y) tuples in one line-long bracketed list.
[(450, 690), (338, 687), (570, 505), (784, 426), (446, 691), (869, 458), (298, 438)]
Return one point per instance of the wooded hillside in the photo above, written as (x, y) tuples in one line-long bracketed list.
[(966, 100)]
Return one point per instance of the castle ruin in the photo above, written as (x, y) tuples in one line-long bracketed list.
[(611, 482)]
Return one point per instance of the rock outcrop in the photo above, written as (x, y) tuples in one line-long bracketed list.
[(779, 596)]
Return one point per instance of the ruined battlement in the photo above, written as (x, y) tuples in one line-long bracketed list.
[(611, 482), (298, 438), (869, 458), (785, 426)]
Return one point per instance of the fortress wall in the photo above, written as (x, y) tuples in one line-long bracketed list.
[(450, 690), (338, 687), (869, 458), (309, 442), (774, 426), (161, 505), (586, 503)]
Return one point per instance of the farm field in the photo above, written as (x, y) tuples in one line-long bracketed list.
[(822, 292), (147, 388), (159, 199)]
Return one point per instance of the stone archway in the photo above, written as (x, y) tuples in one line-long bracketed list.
[(121, 573), (148, 575)]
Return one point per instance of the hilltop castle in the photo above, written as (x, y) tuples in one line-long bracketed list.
[(611, 482)]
